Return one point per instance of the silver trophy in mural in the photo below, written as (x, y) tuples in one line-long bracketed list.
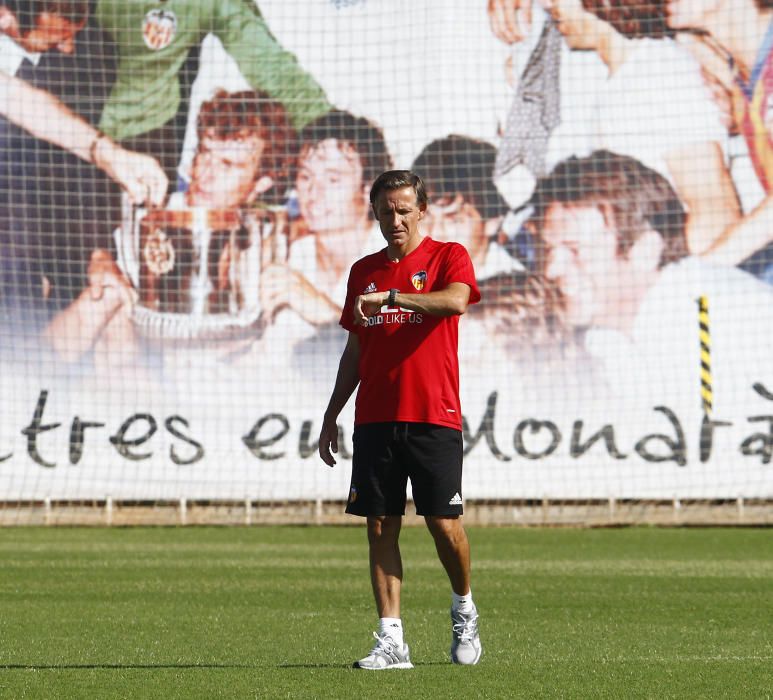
[(197, 270)]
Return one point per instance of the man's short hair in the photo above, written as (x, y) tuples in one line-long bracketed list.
[(76, 12), (524, 308), (240, 115), (637, 199), (635, 19), (459, 165), (362, 135), (394, 180)]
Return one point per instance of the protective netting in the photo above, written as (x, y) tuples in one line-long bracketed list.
[(185, 185)]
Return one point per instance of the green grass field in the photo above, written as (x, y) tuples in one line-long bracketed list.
[(282, 612)]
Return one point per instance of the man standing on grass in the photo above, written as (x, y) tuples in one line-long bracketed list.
[(402, 312)]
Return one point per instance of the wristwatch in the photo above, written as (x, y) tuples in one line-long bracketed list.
[(391, 297)]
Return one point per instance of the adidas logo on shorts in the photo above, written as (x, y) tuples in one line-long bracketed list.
[(456, 500)]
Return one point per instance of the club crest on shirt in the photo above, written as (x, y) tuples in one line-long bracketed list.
[(419, 279), (159, 28)]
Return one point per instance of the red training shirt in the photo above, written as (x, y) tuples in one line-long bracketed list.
[(409, 364)]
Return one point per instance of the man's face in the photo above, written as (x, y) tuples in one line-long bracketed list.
[(225, 172), (331, 195), (398, 215), (50, 32), (582, 260)]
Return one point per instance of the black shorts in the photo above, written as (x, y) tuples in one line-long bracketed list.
[(386, 455)]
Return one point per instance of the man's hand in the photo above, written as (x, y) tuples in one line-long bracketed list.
[(141, 176), (282, 287), (510, 19), (100, 313), (328, 441), (105, 280), (367, 305), (278, 285)]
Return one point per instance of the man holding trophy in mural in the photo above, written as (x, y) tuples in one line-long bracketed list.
[(245, 148), (402, 313), (48, 26), (32, 116)]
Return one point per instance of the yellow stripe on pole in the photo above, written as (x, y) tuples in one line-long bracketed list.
[(704, 334)]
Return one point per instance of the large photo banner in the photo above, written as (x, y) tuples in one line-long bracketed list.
[(185, 186)]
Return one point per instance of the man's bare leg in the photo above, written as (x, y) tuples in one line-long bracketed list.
[(386, 565), (386, 575), (453, 549)]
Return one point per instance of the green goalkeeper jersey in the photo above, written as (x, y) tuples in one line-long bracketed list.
[(153, 40)]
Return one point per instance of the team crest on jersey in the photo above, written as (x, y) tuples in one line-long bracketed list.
[(419, 279), (159, 28)]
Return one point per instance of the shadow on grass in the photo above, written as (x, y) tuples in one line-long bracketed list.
[(339, 666), (420, 663), (81, 667), (63, 667)]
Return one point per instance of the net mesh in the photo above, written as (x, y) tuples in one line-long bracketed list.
[(185, 188)]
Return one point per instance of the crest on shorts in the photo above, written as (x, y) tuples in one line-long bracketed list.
[(419, 279), (352, 494), (159, 28)]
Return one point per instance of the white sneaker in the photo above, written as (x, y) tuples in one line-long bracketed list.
[(386, 653), (465, 640)]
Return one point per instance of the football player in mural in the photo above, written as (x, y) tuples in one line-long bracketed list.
[(681, 136), (246, 146), (736, 48), (158, 45), (613, 237), (339, 156), (26, 31), (466, 206), (30, 32), (654, 106)]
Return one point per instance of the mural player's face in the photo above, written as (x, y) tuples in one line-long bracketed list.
[(398, 215), (225, 172), (582, 260), (331, 195), (50, 32)]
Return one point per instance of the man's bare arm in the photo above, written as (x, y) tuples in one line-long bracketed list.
[(745, 237), (347, 379), (704, 184), (451, 301), (47, 118)]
